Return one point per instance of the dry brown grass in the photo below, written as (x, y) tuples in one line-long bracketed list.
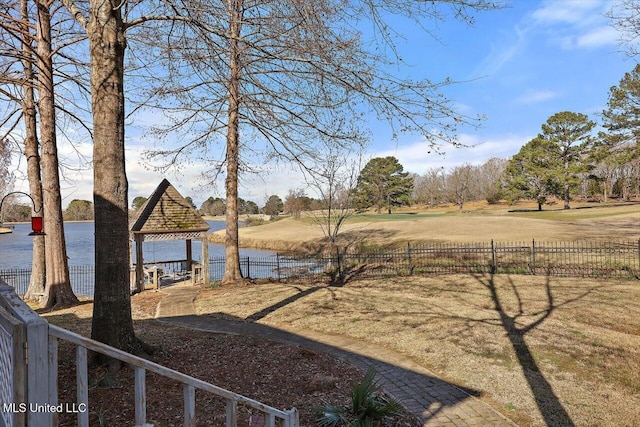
[(535, 346), (481, 223)]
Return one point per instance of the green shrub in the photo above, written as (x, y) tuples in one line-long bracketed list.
[(368, 407)]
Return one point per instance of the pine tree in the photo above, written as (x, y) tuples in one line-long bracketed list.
[(383, 182)]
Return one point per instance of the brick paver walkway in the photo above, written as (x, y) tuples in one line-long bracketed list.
[(436, 402)]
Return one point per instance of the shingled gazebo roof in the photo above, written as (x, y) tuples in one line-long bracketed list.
[(167, 212)]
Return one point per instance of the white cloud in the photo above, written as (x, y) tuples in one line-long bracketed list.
[(502, 53), (575, 24), (77, 179), (597, 37), (274, 180), (187, 178), (419, 157), (577, 12), (534, 97)]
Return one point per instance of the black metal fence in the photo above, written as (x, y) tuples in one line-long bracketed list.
[(80, 276), (568, 259), (619, 259)]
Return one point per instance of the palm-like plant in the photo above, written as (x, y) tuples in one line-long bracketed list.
[(367, 409)]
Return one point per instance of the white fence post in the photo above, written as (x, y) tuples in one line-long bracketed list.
[(140, 396), (37, 354), (12, 372), (82, 385), (53, 375)]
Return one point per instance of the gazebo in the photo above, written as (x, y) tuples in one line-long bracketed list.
[(166, 215)]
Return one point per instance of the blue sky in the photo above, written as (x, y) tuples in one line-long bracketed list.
[(518, 66)]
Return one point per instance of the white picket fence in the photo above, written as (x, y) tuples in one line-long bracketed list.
[(25, 335)]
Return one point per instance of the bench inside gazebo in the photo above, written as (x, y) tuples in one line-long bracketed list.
[(166, 215)]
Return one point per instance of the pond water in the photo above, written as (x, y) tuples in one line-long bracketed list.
[(16, 247)]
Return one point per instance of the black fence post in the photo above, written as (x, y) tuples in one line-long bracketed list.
[(494, 267), (278, 264), (409, 258), (533, 256), (338, 262), (248, 269)]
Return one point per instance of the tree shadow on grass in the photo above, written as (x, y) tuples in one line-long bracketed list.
[(516, 322), (421, 392), (553, 413), (283, 303)]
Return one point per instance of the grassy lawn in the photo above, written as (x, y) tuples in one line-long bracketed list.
[(544, 351), (581, 213), (480, 222), (370, 217)]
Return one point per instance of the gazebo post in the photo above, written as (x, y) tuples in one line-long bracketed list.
[(204, 259), (189, 256), (139, 263), (189, 266)]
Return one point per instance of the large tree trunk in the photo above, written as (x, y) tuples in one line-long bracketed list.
[(58, 290), (38, 278), (232, 271), (112, 323)]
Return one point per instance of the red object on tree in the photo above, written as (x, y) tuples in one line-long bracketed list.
[(36, 226)]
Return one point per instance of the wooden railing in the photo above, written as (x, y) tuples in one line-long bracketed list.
[(273, 417)]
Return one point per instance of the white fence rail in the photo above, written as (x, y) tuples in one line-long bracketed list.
[(274, 417), (29, 374)]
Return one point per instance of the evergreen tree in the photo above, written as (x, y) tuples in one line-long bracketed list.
[(215, 207), (138, 202), (530, 173), (190, 201), (79, 210), (273, 206), (383, 182), (570, 140), (619, 147)]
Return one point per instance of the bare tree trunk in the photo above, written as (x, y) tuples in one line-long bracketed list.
[(112, 323), (232, 271), (58, 290), (37, 281)]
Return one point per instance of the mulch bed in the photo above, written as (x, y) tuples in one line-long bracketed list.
[(279, 375)]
